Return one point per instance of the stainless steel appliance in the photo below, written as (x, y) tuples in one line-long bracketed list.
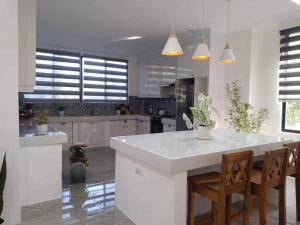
[(184, 100), (156, 124)]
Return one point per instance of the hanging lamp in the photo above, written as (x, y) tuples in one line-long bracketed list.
[(227, 56), (172, 46), (202, 52)]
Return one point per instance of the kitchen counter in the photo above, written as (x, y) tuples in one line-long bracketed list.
[(28, 137), (153, 168), (61, 119)]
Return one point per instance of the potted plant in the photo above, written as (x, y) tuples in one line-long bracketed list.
[(41, 120), (61, 110), (2, 185), (202, 114)]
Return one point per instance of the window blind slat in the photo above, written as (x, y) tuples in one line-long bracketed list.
[(290, 31), (57, 59), (289, 57), (57, 75), (289, 48), (57, 84), (56, 92), (287, 40), (55, 67), (290, 66), (289, 75)]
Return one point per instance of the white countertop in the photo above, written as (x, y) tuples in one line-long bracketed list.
[(64, 119), (28, 137), (181, 151)]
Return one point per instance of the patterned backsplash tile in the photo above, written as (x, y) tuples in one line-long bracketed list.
[(136, 106)]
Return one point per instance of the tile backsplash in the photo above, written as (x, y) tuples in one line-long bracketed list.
[(136, 106)]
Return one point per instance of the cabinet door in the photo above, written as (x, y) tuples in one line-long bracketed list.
[(97, 137), (123, 128), (143, 127), (169, 128), (66, 128), (27, 45)]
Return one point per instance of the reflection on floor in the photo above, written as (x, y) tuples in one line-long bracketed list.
[(93, 203), (90, 203)]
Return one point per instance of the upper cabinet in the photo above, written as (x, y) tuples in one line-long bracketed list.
[(154, 73), (27, 44)]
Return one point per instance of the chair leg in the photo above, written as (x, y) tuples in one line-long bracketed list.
[(228, 210), (247, 201), (215, 213), (191, 207), (282, 205), (297, 188), (263, 201), (221, 209)]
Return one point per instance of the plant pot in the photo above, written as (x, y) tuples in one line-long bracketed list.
[(61, 113), (204, 131), (42, 129)]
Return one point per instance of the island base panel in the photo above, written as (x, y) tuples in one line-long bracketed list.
[(149, 196)]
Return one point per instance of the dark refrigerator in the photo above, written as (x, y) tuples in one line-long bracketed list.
[(184, 100)]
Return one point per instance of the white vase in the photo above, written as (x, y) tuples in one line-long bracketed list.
[(61, 113), (204, 131), (42, 129)]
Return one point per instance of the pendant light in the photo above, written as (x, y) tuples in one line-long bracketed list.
[(202, 51), (172, 46), (227, 56)]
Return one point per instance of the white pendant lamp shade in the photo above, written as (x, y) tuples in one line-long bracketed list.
[(172, 47), (202, 52), (227, 56)]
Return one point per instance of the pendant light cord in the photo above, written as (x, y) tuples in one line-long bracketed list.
[(228, 8)]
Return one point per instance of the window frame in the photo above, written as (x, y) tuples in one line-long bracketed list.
[(81, 78), (283, 121)]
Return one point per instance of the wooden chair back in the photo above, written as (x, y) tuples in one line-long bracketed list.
[(293, 157), (236, 172), (274, 167)]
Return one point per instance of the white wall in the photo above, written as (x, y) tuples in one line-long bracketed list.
[(9, 137), (217, 77)]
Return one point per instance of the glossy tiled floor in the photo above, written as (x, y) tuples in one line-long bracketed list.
[(93, 203)]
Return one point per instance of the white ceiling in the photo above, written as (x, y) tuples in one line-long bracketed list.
[(91, 25)]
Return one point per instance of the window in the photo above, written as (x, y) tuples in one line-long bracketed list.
[(75, 77), (289, 79)]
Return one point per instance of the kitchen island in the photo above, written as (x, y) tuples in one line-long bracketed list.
[(152, 169)]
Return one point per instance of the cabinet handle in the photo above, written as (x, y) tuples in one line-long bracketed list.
[(169, 125), (125, 121), (63, 124), (141, 121)]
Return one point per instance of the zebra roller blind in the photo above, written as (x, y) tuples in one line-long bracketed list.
[(57, 76), (104, 79), (72, 76), (289, 78)]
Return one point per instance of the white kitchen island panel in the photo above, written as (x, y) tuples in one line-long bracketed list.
[(151, 169)]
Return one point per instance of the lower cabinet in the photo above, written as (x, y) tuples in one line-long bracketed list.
[(169, 127), (66, 128), (123, 128), (91, 133), (143, 127)]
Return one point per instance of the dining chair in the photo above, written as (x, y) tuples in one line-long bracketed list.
[(235, 177), (271, 175)]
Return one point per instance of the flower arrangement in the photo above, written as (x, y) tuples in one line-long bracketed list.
[(41, 117), (242, 116), (202, 112)]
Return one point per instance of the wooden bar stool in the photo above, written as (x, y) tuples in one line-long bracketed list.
[(271, 175), (235, 177)]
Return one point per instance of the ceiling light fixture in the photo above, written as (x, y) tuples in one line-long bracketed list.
[(202, 51), (128, 38), (134, 37), (227, 56), (172, 46), (296, 1)]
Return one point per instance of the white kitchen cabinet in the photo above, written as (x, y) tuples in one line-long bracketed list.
[(143, 126), (169, 128), (155, 72), (27, 45), (91, 133), (123, 128), (66, 128)]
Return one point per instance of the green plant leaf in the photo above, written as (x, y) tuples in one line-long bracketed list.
[(2, 185)]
